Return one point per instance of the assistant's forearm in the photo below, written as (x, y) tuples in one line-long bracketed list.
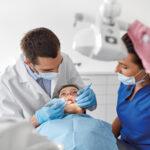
[(116, 127)]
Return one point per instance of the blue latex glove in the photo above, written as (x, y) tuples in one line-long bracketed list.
[(54, 109), (86, 98)]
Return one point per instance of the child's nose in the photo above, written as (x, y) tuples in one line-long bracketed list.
[(70, 97)]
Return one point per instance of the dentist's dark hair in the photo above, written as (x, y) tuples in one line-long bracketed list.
[(40, 42), (130, 48)]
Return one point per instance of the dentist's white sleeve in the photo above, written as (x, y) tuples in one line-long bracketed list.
[(20, 135)]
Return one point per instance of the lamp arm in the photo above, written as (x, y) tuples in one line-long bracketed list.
[(82, 17)]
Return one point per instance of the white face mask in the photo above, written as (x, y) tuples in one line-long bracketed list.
[(129, 80), (47, 75)]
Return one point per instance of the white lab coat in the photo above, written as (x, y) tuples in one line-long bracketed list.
[(21, 95), (20, 135)]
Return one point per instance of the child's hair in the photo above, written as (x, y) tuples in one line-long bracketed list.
[(67, 85)]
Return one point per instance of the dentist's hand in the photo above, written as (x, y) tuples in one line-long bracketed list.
[(53, 110), (86, 98)]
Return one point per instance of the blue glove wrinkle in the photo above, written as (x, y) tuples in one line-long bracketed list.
[(85, 102), (80, 92), (52, 110), (84, 89), (59, 110), (56, 106), (87, 99), (81, 97), (40, 113)]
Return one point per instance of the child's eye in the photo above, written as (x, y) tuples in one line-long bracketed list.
[(74, 93), (63, 94)]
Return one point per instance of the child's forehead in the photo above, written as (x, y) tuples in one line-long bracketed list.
[(68, 88)]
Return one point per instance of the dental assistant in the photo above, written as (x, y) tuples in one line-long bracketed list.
[(133, 106), (27, 86)]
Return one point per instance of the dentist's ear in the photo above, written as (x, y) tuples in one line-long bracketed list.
[(27, 61)]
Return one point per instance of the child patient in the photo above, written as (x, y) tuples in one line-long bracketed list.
[(76, 130), (69, 94)]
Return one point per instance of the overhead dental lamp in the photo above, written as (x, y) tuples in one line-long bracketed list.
[(101, 40)]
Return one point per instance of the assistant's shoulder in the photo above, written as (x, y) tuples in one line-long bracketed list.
[(146, 90)]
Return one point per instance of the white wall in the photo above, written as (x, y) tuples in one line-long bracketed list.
[(19, 16)]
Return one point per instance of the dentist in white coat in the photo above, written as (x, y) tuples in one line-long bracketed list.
[(27, 87)]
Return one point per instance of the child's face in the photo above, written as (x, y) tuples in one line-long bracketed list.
[(69, 94)]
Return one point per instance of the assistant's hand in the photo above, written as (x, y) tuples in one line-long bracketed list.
[(86, 98), (53, 110)]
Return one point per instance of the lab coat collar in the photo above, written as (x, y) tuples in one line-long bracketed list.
[(27, 79)]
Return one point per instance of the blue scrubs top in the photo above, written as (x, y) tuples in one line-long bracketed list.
[(134, 115)]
